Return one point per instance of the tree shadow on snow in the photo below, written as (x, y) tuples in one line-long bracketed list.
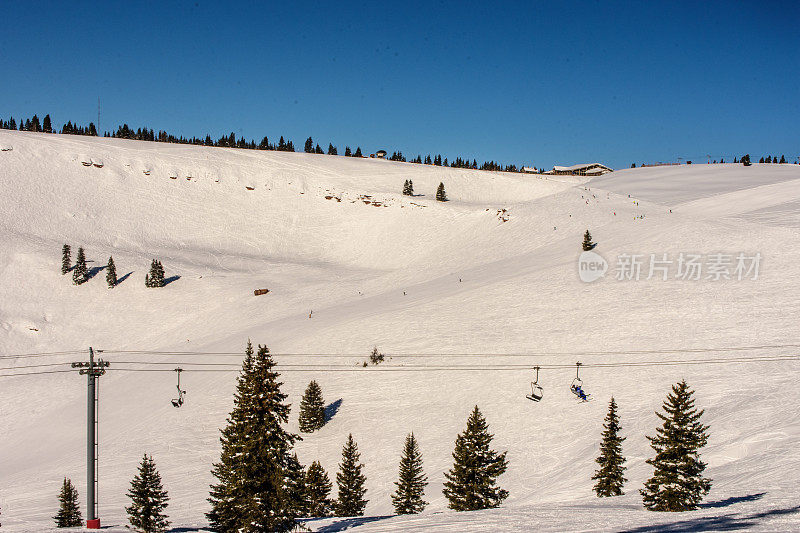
[(347, 523), (332, 409), (94, 271), (729, 522), (734, 500), (123, 278), (170, 279)]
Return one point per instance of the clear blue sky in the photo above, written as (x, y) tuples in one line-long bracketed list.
[(528, 82)]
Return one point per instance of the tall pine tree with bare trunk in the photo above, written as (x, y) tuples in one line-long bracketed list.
[(610, 476)]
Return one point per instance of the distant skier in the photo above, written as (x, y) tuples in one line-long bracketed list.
[(311, 313)]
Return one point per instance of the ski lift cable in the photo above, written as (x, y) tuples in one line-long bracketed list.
[(472, 354), (451, 368)]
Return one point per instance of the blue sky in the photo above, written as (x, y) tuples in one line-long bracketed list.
[(527, 82)]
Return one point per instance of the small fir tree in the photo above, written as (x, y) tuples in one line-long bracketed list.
[(440, 194), (312, 409), (80, 274), (148, 499), (66, 260), (69, 513), (252, 493), (407, 499), (358, 152), (376, 357), (610, 476), (111, 273), (746, 160), (470, 483), (317, 492), (408, 188), (350, 480), (156, 276), (677, 483), (587, 242)]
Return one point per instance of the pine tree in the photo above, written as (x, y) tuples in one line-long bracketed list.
[(296, 486), (408, 188), (440, 194), (746, 160), (358, 152), (405, 188), (156, 276), (148, 499), (111, 273), (318, 489), (587, 241), (783, 160), (470, 483), (312, 409), (609, 476), (350, 480), (69, 513), (677, 483), (66, 261), (252, 493), (347, 152), (80, 274), (309, 146), (376, 357), (407, 499)]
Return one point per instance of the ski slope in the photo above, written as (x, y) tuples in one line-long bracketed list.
[(416, 278)]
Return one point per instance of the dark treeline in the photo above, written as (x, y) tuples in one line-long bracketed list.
[(230, 141)]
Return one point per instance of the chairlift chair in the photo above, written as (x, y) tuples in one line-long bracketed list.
[(577, 384), (177, 402), (536, 390)]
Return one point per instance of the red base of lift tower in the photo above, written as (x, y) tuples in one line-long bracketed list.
[(93, 524)]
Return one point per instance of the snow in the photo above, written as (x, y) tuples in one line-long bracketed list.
[(473, 285)]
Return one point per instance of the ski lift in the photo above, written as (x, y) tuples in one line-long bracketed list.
[(536, 389), (177, 402), (577, 384)]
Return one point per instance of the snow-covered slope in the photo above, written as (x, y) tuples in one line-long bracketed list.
[(413, 277)]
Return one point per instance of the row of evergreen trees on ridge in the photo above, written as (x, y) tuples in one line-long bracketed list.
[(745, 160), (230, 141), (263, 487), (80, 272)]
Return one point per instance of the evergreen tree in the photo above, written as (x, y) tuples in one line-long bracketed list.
[(296, 487), (350, 480), (253, 490), (407, 499), (317, 492), (47, 127), (111, 273), (309, 146), (347, 152), (69, 513), (408, 188), (470, 483), (761, 160), (66, 261), (80, 274), (148, 499), (587, 241), (440, 194), (609, 476), (746, 160), (376, 357), (677, 483), (331, 149), (783, 160), (156, 276), (318, 149), (358, 152), (312, 409)]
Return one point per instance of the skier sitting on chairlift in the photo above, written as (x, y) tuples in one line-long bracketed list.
[(579, 392)]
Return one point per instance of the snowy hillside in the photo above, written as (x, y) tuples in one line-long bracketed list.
[(417, 278)]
